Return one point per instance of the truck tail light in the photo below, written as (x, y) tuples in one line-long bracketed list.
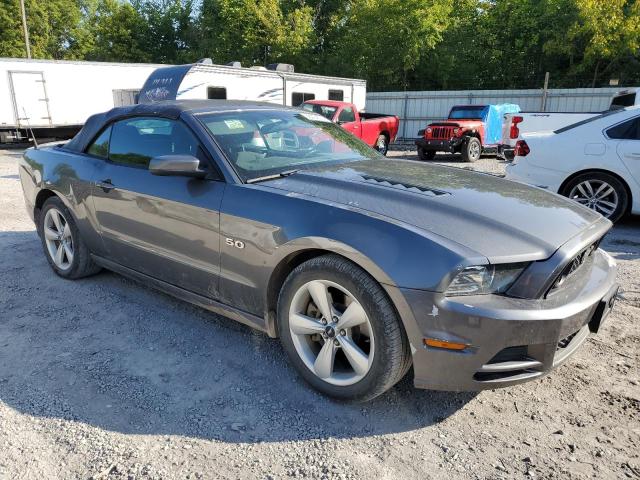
[(514, 132), (521, 149)]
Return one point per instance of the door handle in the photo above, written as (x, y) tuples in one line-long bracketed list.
[(634, 155), (106, 185)]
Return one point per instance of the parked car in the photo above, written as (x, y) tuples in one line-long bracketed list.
[(362, 266), (517, 124), (595, 162), (375, 129), (469, 130)]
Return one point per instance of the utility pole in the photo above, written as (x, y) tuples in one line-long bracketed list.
[(25, 29)]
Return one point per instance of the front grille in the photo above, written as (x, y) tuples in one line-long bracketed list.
[(574, 265), (443, 133)]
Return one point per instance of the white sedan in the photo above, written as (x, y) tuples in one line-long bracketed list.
[(596, 162)]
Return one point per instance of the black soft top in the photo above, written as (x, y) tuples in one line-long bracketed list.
[(171, 109)]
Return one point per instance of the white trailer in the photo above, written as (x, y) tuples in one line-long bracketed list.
[(276, 84), (55, 97)]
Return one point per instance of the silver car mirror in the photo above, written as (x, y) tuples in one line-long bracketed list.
[(177, 165)]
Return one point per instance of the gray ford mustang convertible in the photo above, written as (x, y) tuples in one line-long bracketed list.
[(361, 265)]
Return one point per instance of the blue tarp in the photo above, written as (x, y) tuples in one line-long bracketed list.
[(494, 117)]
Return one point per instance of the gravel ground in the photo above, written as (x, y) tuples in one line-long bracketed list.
[(104, 378)]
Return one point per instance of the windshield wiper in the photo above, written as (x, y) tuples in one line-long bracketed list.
[(286, 173)]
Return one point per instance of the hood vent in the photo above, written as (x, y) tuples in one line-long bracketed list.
[(404, 186)]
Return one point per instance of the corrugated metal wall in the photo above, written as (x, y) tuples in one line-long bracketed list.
[(416, 109)]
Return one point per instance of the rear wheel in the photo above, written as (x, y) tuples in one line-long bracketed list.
[(340, 330), (601, 192), (471, 150), (426, 155), (65, 251), (382, 144)]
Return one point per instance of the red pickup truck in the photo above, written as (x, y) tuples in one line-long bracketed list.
[(374, 129)]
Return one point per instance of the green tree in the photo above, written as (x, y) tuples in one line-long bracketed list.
[(56, 29), (256, 32), (607, 38), (384, 40), (119, 33), (168, 30)]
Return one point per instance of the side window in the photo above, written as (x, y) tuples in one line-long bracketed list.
[(629, 130), (217, 93), (347, 115), (298, 98), (336, 95), (136, 141), (100, 146)]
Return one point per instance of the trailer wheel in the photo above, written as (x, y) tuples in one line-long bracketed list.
[(426, 155), (471, 150), (382, 144)]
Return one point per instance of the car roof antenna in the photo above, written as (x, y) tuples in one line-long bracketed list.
[(35, 142)]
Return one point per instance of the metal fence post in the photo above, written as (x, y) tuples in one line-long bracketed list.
[(545, 91), (404, 116)]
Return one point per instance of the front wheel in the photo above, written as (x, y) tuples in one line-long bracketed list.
[(601, 192), (382, 144), (426, 155), (340, 330), (471, 150)]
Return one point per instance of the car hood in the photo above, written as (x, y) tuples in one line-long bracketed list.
[(502, 220), (458, 123)]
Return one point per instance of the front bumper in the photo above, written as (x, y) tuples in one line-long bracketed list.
[(510, 340), (439, 145)]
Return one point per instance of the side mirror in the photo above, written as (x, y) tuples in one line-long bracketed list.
[(176, 165)]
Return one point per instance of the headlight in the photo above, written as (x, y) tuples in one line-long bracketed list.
[(483, 279)]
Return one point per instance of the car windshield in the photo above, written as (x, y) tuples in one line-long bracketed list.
[(264, 143), (325, 110), (467, 113)]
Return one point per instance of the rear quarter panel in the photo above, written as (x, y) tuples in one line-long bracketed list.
[(69, 176), (371, 129)]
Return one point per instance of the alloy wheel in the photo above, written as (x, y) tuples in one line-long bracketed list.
[(331, 332), (57, 236), (381, 145), (598, 195), (474, 150)]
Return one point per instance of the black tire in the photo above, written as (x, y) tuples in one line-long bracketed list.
[(392, 358), (81, 265), (619, 188), (382, 144), (471, 150), (426, 155)]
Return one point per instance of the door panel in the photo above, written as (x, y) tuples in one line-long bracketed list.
[(163, 226), (30, 99), (629, 153)]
